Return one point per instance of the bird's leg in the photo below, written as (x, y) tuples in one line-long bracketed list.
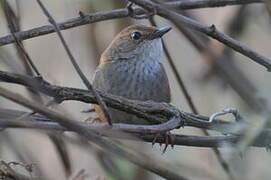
[(132, 13), (168, 139), (93, 120)]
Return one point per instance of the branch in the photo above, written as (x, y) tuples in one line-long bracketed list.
[(137, 132), (208, 30), (112, 14), (191, 104), (153, 112), (14, 26), (145, 132), (225, 69), (195, 4), (140, 159), (75, 64)]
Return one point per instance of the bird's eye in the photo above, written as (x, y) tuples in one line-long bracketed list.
[(136, 35)]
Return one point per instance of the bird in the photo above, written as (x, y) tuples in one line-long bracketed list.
[(131, 67)]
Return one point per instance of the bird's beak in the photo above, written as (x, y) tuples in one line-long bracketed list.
[(159, 32)]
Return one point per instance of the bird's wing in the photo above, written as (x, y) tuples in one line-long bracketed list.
[(166, 97)]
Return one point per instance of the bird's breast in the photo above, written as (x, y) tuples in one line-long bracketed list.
[(134, 79)]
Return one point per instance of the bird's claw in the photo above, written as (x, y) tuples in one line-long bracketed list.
[(93, 120), (168, 139)]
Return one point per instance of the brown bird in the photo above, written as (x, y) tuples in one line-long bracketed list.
[(131, 67)]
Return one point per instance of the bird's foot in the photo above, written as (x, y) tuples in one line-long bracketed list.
[(92, 120), (88, 110), (166, 137)]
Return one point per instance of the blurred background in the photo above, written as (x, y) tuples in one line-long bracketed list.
[(213, 85)]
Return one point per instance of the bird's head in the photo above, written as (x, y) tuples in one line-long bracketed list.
[(136, 42)]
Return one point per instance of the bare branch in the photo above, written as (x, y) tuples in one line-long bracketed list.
[(139, 159), (107, 15), (194, 4), (145, 132), (75, 65), (191, 104), (151, 111), (136, 130), (14, 26), (208, 30)]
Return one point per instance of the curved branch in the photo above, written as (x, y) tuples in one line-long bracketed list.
[(148, 110), (153, 112), (140, 159), (137, 131)]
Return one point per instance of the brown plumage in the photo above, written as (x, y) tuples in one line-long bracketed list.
[(131, 67)]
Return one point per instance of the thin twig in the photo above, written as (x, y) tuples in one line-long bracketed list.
[(31, 69), (105, 130), (223, 112), (208, 30), (198, 121), (137, 132), (195, 4), (226, 70), (151, 111), (13, 22), (177, 74), (140, 159), (26, 55), (75, 65), (192, 106), (91, 18), (13, 29), (157, 111)]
